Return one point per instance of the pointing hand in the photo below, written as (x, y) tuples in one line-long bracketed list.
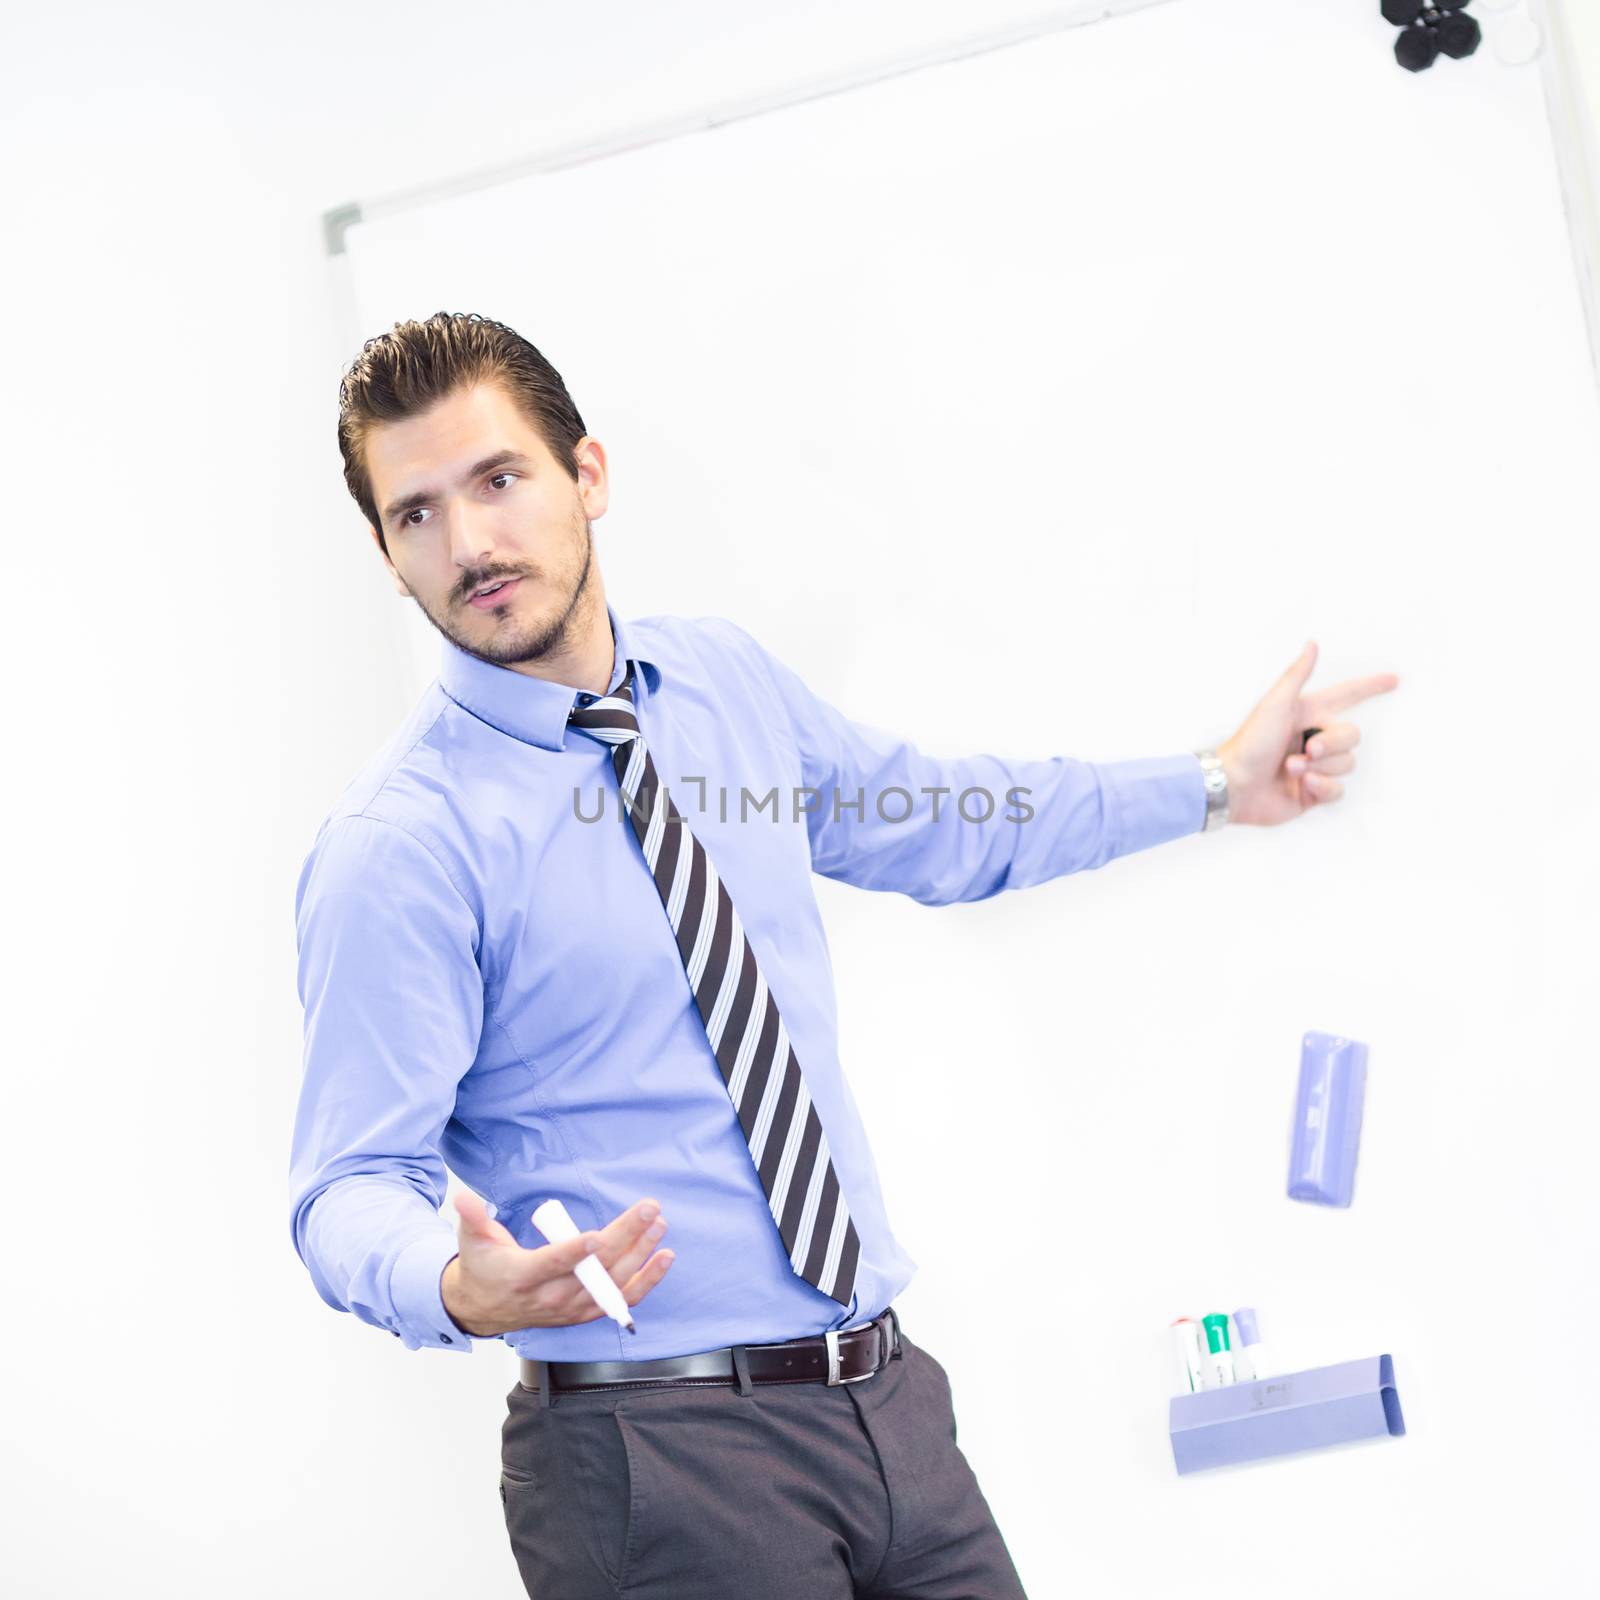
[(1269, 779)]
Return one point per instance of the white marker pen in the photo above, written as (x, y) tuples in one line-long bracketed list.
[(1191, 1359), (1216, 1326), (552, 1220)]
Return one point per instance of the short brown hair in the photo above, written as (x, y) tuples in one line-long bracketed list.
[(402, 373)]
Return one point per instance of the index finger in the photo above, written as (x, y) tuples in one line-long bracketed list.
[(1341, 696), (624, 1229), (556, 1260)]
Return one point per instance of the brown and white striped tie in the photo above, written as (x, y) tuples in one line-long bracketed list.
[(748, 1038)]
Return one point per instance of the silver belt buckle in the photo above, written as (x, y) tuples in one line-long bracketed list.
[(831, 1339)]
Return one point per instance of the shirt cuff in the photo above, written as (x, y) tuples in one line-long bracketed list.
[(418, 1299), (1156, 798)]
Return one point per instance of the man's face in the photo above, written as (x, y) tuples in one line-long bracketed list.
[(456, 520)]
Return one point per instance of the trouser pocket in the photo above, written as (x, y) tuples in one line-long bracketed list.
[(567, 1494)]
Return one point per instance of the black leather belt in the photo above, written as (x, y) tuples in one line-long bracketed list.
[(834, 1357)]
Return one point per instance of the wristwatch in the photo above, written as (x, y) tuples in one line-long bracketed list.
[(1216, 777)]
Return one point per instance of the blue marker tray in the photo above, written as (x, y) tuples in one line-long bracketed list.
[(1275, 1416)]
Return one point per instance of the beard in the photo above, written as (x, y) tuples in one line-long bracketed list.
[(540, 637)]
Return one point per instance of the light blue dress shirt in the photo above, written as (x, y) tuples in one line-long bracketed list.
[(490, 980)]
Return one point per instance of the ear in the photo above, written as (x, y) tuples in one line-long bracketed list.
[(594, 483), (399, 582)]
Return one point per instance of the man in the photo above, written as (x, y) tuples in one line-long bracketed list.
[(561, 933)]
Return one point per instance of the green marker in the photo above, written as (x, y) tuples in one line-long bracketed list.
[(1216, 1326)]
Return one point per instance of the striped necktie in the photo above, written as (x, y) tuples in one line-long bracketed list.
[(747, 1036)]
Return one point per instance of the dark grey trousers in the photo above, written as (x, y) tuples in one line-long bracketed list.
[(789, 1492)]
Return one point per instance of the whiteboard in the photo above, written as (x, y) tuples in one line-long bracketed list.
[(1047, 402)]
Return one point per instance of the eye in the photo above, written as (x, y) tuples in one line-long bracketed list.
[(406, 522)]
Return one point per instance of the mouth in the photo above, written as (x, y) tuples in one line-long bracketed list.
[(496, 594)]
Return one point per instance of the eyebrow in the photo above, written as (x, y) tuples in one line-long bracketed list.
[(501, 458)]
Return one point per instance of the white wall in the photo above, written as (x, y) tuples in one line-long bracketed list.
[(203, 647)]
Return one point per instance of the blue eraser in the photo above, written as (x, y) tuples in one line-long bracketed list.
[(1327, 1119)]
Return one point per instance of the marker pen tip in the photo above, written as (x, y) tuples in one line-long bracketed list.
[(630, 1327)]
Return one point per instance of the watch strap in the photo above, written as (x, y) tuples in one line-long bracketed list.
[(1216, 783)]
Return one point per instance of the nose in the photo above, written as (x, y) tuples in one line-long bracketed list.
[(471, 542)]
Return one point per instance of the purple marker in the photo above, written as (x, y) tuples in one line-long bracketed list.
[(1244, 1319)]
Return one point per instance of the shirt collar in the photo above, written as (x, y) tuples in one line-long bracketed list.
[(528, 708)]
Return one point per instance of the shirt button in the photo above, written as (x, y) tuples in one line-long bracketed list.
[(447, 1339)]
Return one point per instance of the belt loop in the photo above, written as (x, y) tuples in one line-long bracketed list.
[(542, 1372), (741, 1370), (889, 1312)]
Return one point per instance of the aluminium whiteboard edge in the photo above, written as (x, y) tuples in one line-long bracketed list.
[(337, 220), (1577, 164)]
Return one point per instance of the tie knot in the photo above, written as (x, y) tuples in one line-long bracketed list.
[(609, 716)]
